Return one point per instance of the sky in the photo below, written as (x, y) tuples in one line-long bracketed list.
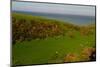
[(53, 8)]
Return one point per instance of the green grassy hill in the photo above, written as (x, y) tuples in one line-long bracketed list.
[(37, 40)]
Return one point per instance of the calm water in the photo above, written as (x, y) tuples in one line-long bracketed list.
[(75, 19)]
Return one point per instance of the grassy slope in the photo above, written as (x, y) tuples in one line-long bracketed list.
[(42, 51)]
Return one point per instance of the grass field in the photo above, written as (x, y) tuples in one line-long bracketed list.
[(51, 49)]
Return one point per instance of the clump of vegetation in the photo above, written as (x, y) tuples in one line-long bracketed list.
[(88, 54), (71, 34), (71, 57), (26, 27), (87, 30)]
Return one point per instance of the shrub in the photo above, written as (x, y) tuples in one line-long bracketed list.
[(87, 53), (84, 31), (87, 30), (31, 27), (71, 34), (71, 58)]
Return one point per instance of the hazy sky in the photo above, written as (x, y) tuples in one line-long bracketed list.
[(54, 8)]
